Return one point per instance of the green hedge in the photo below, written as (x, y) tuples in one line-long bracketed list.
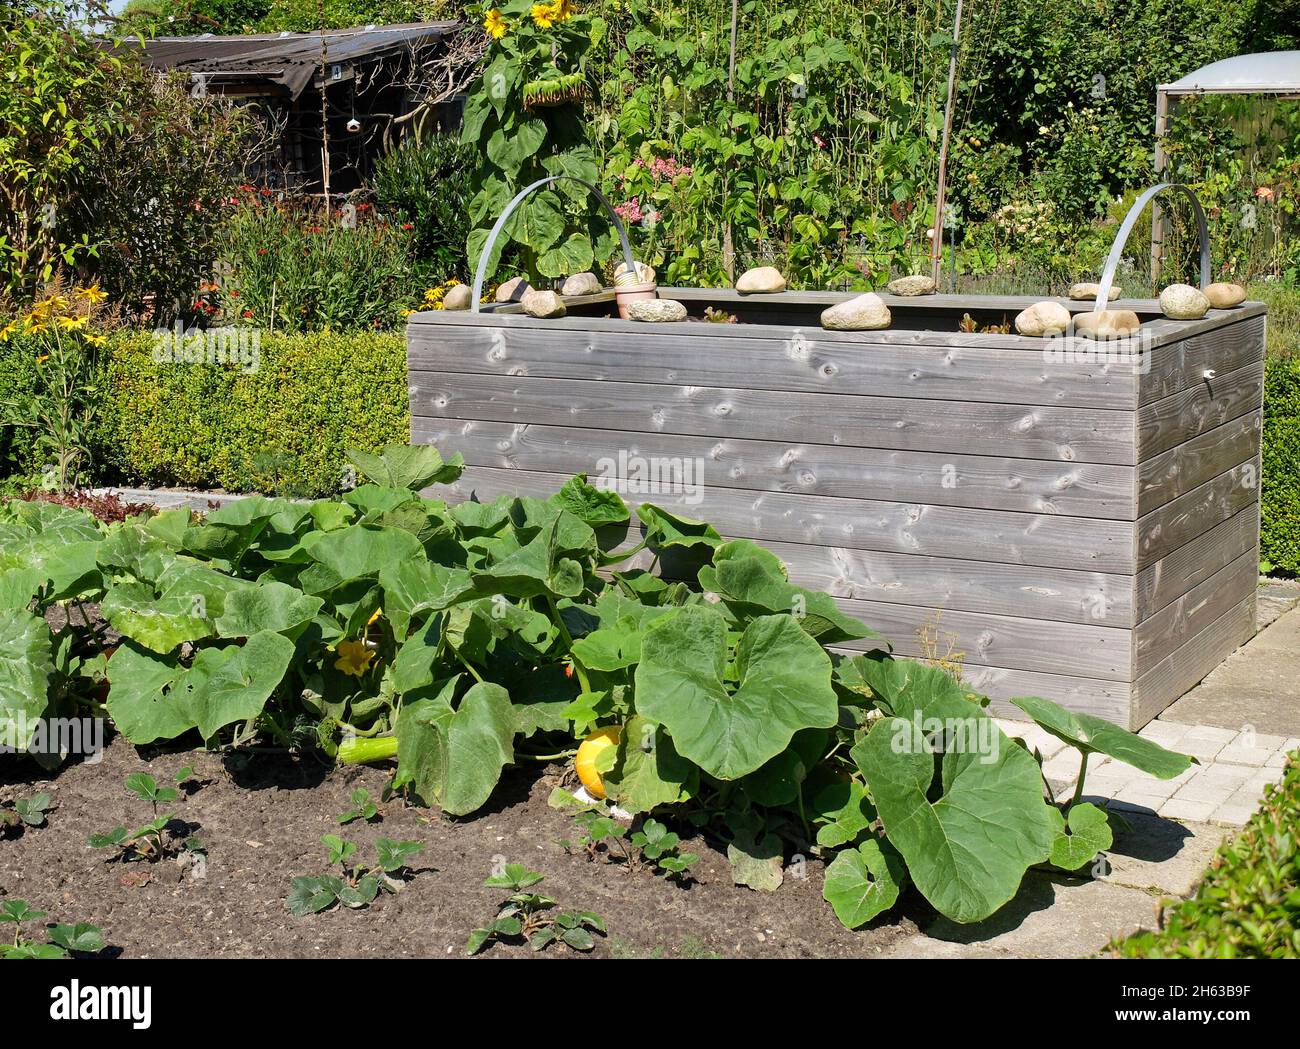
[(1280, 495), (281, 428), (1249, 903), (17, 377)]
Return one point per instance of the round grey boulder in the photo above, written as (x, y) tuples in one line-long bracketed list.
[(1043, 318), (581, 284), (656, 311), (1182, 302), (544, 304), (513, 290), (918, 284), (762, 280), (1089, 292), (457, 297), (1225, 296), (863, 313), (1108, 324)]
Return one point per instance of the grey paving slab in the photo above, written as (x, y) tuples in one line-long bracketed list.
[(1159, 855)]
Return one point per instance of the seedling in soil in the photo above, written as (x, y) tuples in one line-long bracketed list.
[(362, 808), (357, 886), (25, 812), (530, 917), (152, 841), (62, 941), (598, 833), (658, 845)]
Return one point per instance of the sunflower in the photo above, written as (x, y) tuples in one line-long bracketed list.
[(494, 24), (546, 15)]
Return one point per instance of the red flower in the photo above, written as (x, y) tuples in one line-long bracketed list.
[(248, 314), (408, 225)]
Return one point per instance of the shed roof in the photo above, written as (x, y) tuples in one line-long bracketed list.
[(286, 61), (1270, 72)]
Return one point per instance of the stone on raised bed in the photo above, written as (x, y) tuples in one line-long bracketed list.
[(863, 313), (458, 297), (1225, 296), (1085, 292), (1108, 324), (513, 290), (762, 280), (1182, 302), (581, 284), (1043, 318), (543, 304), (659, 311), (917, 284)]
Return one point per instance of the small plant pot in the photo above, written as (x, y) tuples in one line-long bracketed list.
[(626, 294)]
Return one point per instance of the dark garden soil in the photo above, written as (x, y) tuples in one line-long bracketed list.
[(261, 816)]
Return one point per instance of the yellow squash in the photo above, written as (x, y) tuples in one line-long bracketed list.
[(588, 753)]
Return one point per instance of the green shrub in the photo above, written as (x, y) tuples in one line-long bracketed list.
[(290, 268), (17, 379), (1280, 494), (282, 428), (428, 185), (1248, 903)]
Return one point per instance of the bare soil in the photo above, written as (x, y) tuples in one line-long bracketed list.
[(261, 816)]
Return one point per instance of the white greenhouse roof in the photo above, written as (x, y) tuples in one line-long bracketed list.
[(1272, 72)]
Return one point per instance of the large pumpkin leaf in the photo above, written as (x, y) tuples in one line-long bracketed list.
[(666, 529), (232, 684), (356, 552), (143, 700), (783, 684), (412, 588), (968, 850), (454, 757), (270, 606), (647, 770), (750, 584), (18, 586), (591, 505), (908, 689), (864, 882), (159, 623), (26, 663), (1094, 734), (411, 466)]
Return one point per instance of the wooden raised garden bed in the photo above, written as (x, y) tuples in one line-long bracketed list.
[(1084, 529)]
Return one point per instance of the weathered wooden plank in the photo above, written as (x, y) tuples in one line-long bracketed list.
[(1169, 422), (1179, 671), (1178, 622), (1085, 435), (1178, 365), (982, 482), (1177, 471), (865, 524), (1005, 641), (1171, 577), (806, 363), (1181, 520)]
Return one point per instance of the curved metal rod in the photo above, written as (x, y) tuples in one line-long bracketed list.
[(1130, 220), (481, 271)]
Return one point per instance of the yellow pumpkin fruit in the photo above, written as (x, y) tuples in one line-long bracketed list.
[(588, 753)]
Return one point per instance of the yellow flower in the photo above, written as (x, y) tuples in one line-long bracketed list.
[(564, 9), (33, 326), (7, 330), (97, 340), (494, 24), (354, 658), (545, 15), (73, 323), (91, 294), (42, 358), (371, 621)]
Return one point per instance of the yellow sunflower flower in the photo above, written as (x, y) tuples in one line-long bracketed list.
[(564, 9), (73, 323), (8, 330), (354, 658), (97, 340), (545, 15), (91, 294), (494, 24)]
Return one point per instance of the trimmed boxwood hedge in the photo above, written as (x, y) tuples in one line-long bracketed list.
[(1280, 495), (283, 428)]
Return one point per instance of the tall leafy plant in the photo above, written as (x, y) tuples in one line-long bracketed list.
[(525, 116)]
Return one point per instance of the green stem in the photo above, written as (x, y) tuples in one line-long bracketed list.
[(561, 756), (465, 663), (1083, 771), (567, 638)]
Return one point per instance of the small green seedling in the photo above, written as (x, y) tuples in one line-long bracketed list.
[(150, 841), (25, 812), (62, 941), (362, 808), (658, 845), (599, 832), (358, 886), (529, 916)]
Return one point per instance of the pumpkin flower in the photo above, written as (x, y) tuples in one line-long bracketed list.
[(546, 15), (371, 621), (494, 24), (354, 658)]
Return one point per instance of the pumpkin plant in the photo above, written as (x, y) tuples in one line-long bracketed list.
[(461, 639), (525, 116)]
